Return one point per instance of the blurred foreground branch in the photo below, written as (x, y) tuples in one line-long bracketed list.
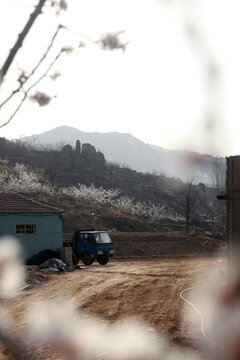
[(37, 98), (20, 39), (23, 79)]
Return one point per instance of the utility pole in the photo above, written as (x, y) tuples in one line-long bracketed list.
[(233, 210)]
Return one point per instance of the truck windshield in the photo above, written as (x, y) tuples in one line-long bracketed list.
[(103, 238)]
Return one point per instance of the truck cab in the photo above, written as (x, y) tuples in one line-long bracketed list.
[(89, 245)]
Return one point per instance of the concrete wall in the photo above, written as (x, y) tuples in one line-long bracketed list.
[(48, 231)]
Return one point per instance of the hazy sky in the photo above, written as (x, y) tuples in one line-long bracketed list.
[(177, 85)]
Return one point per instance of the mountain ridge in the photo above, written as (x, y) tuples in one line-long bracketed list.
[(127, 150)]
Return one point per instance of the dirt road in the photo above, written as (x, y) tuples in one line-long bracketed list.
[(148, 290)]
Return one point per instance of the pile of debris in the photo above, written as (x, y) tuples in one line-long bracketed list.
[(53, 266), (36, 275)]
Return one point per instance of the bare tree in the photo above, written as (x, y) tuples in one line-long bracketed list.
[(190, 201), (219, 175), (58, 146)]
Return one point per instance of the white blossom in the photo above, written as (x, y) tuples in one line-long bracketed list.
[(84, 337), (21, 179), (4, 161), (111, 41), (92, 193), (41, 98), (112, 197)]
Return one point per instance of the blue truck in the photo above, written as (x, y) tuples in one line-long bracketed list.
[(88, 245)]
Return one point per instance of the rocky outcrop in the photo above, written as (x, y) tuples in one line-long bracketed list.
[(84, 155), (88, 148), (90, 157), (78, 147), (67, 149)]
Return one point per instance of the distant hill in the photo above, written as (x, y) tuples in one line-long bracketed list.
[(126, 150), (80, 170)]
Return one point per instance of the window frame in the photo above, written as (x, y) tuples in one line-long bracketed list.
[(26, 229)]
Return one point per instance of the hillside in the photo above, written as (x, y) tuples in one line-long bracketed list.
[(80, 181), (125, 149)]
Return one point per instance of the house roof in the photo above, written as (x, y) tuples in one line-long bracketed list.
[(16, 203)]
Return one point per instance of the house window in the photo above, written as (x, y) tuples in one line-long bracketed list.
[(26, 229)]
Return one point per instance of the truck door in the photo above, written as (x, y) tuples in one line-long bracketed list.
[(89, 243)]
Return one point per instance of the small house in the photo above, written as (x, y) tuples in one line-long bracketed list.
[(37, 226)]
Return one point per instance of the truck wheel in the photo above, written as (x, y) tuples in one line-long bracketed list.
[(102, 259), (87, 259)]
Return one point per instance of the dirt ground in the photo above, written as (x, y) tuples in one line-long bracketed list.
[(146, 289)]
